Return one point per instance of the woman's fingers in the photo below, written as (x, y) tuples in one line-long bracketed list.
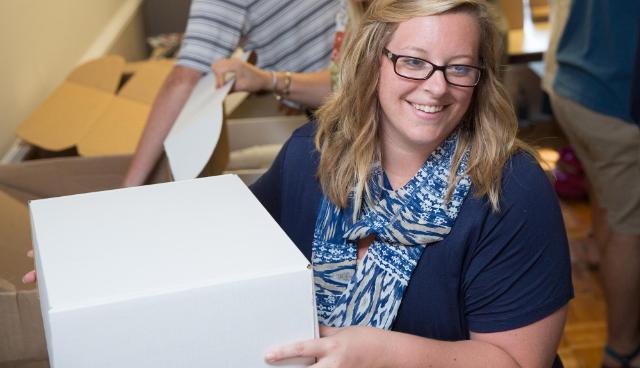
[(302, 349), (247, 77), (224, 71), (29, 277)]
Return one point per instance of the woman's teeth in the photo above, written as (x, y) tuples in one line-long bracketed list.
[(428, 108)]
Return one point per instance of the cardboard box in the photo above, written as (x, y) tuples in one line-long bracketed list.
[(101, 108), (257, 130), (21, 335), (98, 114), (26, 364), (186, 274), (67, 114), (54, 177), (85, 111)]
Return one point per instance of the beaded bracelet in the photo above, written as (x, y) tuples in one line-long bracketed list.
[(280, 95)]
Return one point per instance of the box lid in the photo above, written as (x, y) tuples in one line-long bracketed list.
[(116, 245)]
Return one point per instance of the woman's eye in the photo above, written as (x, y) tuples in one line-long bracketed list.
[(459, 69), (412, 63)]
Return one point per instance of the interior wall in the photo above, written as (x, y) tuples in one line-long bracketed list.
[(132, 44), (42, 42), (165, 16)]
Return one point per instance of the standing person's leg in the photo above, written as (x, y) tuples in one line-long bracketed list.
[(621, 279), (599, 226), (610, 153)]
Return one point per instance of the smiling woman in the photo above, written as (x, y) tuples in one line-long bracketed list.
[(434, 236), (419, 113)]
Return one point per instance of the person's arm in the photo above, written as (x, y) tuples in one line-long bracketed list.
[(310, 89), (530, 346), (168, 103)]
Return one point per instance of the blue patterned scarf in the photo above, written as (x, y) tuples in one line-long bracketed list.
[(404, 222)]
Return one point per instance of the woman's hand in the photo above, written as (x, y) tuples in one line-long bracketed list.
[(248, 78), (339, 347), (29, 277)]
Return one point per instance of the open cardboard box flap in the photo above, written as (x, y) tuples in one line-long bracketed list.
[(118, 129), (86, 112), (66, 116)]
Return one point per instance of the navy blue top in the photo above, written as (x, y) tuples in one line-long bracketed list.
[(493, 272), (635, 86), (596, 55)]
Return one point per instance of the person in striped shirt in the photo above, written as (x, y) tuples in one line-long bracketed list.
[(285, 35), (303, 88)]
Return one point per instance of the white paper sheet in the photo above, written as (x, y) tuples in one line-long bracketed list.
[(196, 132)]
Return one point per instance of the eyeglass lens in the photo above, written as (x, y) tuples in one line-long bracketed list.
[(414, 68)]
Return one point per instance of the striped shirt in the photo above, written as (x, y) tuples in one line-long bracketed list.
[(293, 35)]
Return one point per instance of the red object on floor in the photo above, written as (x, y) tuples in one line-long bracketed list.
[(571, 182)]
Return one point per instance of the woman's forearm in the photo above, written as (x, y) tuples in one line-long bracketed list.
[(406, 350), (310, 89), (533, 345)]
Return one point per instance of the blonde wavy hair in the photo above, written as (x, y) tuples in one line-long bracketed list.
[(356, 10), (348, 123)]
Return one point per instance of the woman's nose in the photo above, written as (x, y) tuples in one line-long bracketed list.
[(436, 83)]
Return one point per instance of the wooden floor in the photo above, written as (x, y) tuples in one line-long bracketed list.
[(585, 332)]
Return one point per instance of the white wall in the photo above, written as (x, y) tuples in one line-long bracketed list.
[(43, 40)]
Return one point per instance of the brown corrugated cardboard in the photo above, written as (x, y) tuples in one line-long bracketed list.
[(146, 81), (26, 364), (118, 129), (86, 112), (21, 331), (65, 116), (56, 177)]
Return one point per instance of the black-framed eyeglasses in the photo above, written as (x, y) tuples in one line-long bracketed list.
[(419, 69)]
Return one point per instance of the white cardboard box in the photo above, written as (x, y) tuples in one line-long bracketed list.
[(185, 274)]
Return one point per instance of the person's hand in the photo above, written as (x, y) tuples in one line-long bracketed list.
[(248, 78), (29, 277), (339, 347)]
